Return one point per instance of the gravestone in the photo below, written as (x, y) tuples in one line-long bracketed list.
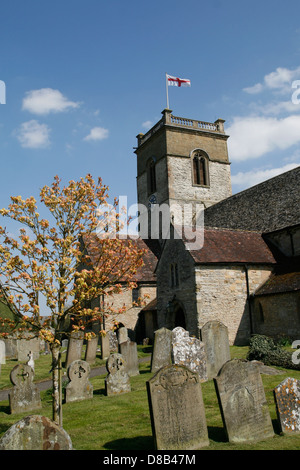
[(162, 347), (79, 387), (30, 361), (287, 399), (74, 350), (122, 334), (64, 343), (11, 344), (91, 349), (105, 345), (25, 395), (2, 353), (35, 433), (24, 346), (113, 341), (177, 410), (129, 352), (242, 402), (117, 380), (189, 351), (214, 335)]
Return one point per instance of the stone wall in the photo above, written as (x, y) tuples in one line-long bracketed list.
[(278, 315), (222, 296)]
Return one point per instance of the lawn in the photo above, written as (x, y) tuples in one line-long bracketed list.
[(123, 422)]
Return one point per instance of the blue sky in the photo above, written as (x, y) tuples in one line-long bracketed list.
[(83, 78)]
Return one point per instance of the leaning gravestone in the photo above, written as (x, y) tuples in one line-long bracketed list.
[(117, 380), (25, 395), (74, 350), (287, 399), (122, 334), (189, 351), (79, 387), (242, 402), (177, 410), (35, 433), (161, 355), (91, 349), (214, 335), (129, 352)]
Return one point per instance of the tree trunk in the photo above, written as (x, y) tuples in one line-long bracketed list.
[(56, 405)]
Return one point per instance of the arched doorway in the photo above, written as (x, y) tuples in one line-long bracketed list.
[(180, 317)]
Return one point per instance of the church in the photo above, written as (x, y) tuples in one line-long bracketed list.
[(237, 260)]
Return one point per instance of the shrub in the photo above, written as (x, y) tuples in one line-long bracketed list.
[(262, 348)]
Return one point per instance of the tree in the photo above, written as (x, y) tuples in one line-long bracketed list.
[(51, 259)]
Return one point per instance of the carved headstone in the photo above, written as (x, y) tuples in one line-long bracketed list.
[(129, 352), (189, 351), (214, 335), (35, 433), (287, 399), (117, 380), (177, 410), (91, 350), (25, 395), (161, 355), (242, 402), (74, 350), (79, 387)]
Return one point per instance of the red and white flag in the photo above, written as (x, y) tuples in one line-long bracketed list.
[(175, 81)]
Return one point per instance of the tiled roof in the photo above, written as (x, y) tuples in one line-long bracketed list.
[(144, 273), (231, 246), (280, 283)]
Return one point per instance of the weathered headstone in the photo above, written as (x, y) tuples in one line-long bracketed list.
[(25, 395), (122, 334), (189, 351), (129, 352), (2, 353), (117, 380), (105, 345), (113, 341), (242, 402), (177, 410), (11, 343), (287, 399), (74, 350), (79, 387), (35, 433), (214, 335), (162, 347), (91, 349)]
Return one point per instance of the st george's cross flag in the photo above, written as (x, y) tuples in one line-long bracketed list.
[(175, 81)]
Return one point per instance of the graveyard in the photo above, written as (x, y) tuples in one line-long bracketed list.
[(124, 421)]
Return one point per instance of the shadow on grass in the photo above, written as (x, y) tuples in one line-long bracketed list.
[(217, 434), (5, 409), (134, 443)]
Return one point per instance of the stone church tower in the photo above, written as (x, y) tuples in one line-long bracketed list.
[(183, 163)]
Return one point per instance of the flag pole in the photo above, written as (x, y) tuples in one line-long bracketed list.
[(167, 92)]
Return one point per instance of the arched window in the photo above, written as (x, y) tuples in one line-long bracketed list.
[(151, 176), (200, 169)]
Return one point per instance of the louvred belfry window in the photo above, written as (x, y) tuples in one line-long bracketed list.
[(200, 170), (151, 176)]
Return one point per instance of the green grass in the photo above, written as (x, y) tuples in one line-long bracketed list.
[(123, 422)]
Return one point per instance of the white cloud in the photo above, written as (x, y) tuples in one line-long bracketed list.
[(280, 81), (252, 137), (33, 135), (47, 100), (250, 178), (97, 133), (253, 90), (147, 124)]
